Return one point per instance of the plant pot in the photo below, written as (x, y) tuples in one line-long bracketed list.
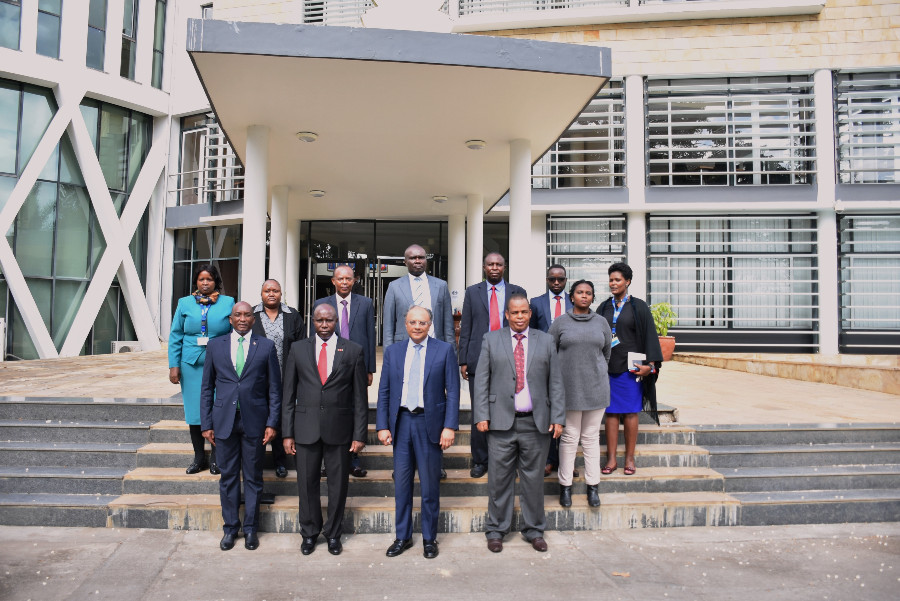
[(667, 344)]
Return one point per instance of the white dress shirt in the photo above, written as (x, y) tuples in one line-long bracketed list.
[(523, 398), (410, 353), (234, 347), (426, 295), (562, 304), (330, 346)]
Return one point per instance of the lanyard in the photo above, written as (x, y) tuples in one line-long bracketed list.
[(617, 310), (204, 309)]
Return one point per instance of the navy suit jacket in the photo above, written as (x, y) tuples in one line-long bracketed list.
[(258, 389), (541, 315), (440, 389), (362, 325), (476, 321), (397, 301)]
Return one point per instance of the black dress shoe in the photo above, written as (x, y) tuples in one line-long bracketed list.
[(430, 550), (593, 497), (478, 470), (358, 472), (398, 547), (214, 468), (324, 474), (196, 467), (565, 496), (334, 546), (443, 474), (280, 471), (251, 541), (308, 545), (227, 542)]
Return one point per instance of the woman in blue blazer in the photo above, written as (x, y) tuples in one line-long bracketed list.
[(198, 317)]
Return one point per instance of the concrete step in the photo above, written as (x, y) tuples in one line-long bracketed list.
[(803, 455), (74, 431), (777, 434), (819, 507), (98, 409), (378, 483), (55, 510), (796, 478), (458, 514), (69, 454), (379, 457), (62, 480)]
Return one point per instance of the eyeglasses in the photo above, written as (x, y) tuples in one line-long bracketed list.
[(556, 279)]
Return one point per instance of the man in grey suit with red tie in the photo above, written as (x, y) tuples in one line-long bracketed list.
[(240, 407), (482, 313), (519, 402)]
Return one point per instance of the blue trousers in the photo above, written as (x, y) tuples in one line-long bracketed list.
[(412, 451), (234, 454)]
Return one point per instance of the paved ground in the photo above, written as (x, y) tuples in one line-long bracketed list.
[(852, 562)]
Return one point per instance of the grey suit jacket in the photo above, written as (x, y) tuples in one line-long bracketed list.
[(397, 301), (495, 381)]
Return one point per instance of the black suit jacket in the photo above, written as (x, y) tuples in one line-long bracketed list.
[(541, 317), (335, 412), (362, 325), (294, 328), (476, 321)]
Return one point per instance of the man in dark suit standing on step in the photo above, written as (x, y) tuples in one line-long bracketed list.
[(519, 403), (356, 322), (482, 313), (324, 415), (240, 407), (418, 412)]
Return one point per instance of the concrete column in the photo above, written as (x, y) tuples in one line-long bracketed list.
[(112, 49), (456, 268), (519, 261), (636, 248), (278, 235), (474, 239), (536, 282), (826, 180), (28, 27), (256, 187), (290, 288), (635, 156), (827, 256)]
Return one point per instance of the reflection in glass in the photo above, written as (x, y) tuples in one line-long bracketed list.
[(38, 108), (35, 223), (113, 144), (9, 126), (10, 15), (66, 301), (48, 35), (73, 237)]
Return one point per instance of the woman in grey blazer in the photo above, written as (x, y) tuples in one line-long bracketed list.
[(583, 340)]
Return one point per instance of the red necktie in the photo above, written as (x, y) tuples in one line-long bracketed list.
[(495, 310), (323, 363), (558, 311), (519, 355)]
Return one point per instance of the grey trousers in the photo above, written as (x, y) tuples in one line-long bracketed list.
[(521, 450)]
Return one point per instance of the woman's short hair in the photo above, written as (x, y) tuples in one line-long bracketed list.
[(622, 268), (211, 270), (579, 283)]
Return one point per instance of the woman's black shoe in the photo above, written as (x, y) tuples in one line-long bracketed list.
[(565, 496), (593, 497), (196, 467)]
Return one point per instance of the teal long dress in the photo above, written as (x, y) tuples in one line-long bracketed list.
[(184, 352)]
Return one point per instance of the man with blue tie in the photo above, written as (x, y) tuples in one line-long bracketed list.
[(544, 310), (418, 412), (240, 409)]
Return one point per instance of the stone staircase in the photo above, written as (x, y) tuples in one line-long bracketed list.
[(120, 463)]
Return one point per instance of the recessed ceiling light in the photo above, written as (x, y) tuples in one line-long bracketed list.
[(307, 136), (439, 198), (475, 144), (317, 193)]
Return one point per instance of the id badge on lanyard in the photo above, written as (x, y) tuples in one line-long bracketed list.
[(203, 338), (617, 310)]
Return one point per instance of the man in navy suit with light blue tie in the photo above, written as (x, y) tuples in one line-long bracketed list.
[(418, 412), (240, 411), (544, 310)]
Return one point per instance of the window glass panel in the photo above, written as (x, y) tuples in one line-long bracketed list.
[(126, 328), (159, 29), (181, 282), (128, 16), (156, 82), (228, 241), (3, 296), (50, 171), (230, 271), (69, 172), (113, 140), (97, 14), (9, 127), (126, 65), (868, 119), (98, 242), (140, 145), (48, 35), (91, 113), (183, 245), (41, 290), (105, 326), (38, 108), (73, 232), (67, 299), (203, 243), (95, 43), (50, 6), (119, 199), (9, 25), (138, 248), (6, 187), (35, 223), (22, 347)]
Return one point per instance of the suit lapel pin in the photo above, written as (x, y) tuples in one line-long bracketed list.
[(340, 350)]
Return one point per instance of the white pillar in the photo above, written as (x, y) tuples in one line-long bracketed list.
[(825, 141), (536, 282), (636, 248), (456, 268), (290, 288), (256, 187), (635, 173), (112, 45), (28, 27), (474, 239), (278, 235), (519, 212), (827, 256)]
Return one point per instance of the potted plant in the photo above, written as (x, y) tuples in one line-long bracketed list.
[(664, 317)]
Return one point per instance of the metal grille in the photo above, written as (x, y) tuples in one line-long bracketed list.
[(591, 153), (868, 126), (210, 171), (471, 7), (731, 131), (756, 275), (870, 282), (586, 246), (335, 12)]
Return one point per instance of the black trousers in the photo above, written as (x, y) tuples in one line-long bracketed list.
[(309, 466)]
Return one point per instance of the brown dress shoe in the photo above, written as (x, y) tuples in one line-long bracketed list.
[(539, 544), (495, 545)]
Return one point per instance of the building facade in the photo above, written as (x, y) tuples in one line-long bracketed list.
[(744, 159)]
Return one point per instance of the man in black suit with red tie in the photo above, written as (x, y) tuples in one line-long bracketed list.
[(324, 415), (482, 312)]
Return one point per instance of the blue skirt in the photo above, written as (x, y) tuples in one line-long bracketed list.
[(625, 395)]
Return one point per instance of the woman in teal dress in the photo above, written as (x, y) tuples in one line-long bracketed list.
[(198, 317)]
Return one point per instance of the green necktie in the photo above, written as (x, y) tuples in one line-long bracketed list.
[(239, 360)]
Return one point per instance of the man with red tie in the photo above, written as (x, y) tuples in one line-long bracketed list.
[(324, 415), (482, 313)]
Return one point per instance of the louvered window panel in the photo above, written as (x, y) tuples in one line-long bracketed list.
[(868, 125)]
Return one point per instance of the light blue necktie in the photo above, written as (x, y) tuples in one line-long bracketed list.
[(412, 390)]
